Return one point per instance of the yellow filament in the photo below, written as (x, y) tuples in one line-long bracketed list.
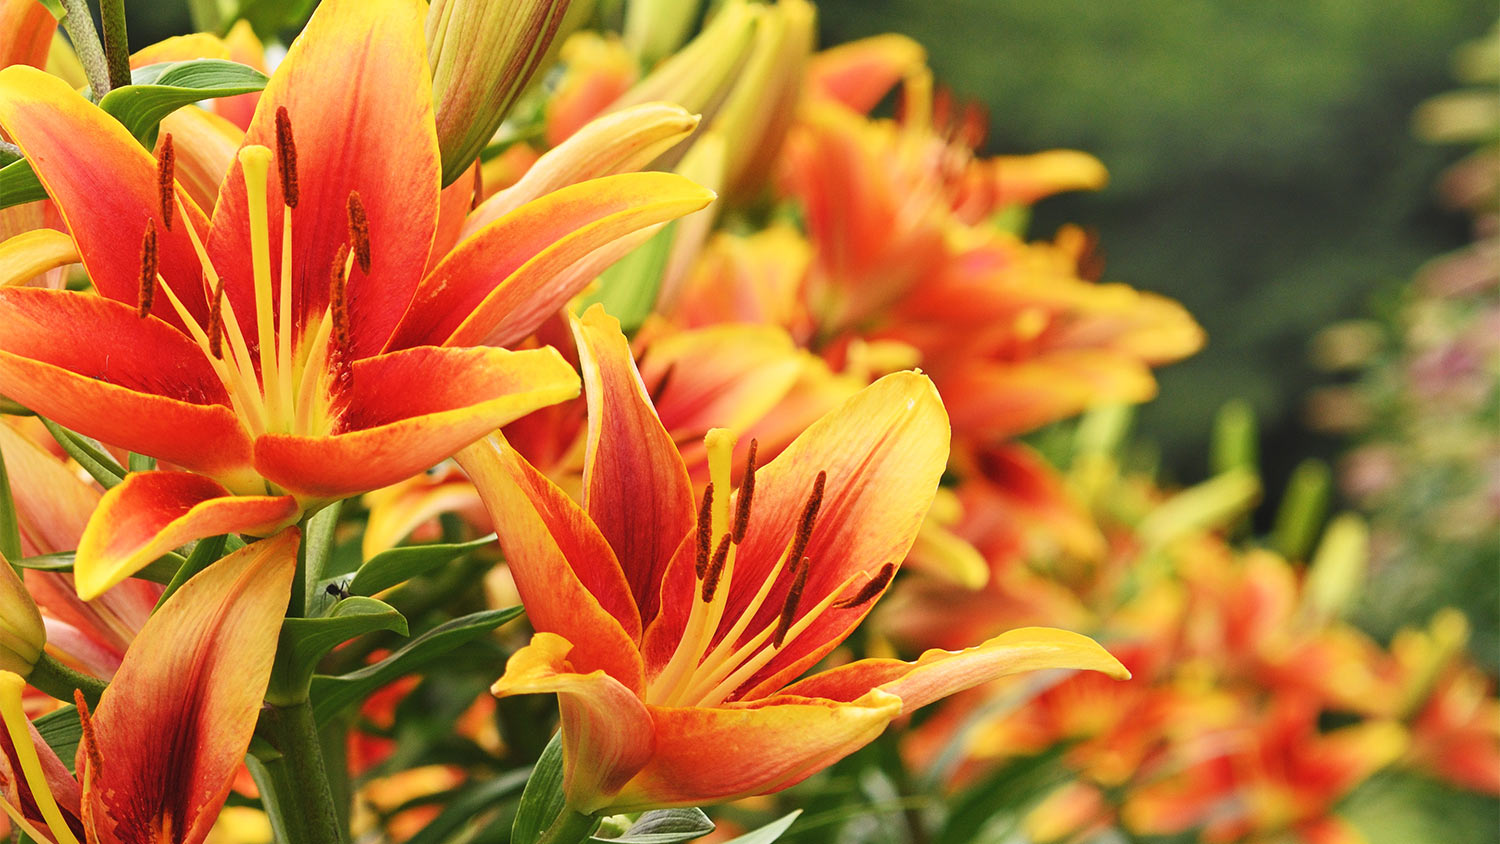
[(312, 375), (11, 686), (255, 162), (720, 444), (721, 660), (284, 316), (226, 373)]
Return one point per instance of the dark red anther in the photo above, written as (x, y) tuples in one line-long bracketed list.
[(789, 608), (715, 569), (148, 270), (286, 157), (747, 492), (705, 531), (166, 169), (359, 233), (870, 591)]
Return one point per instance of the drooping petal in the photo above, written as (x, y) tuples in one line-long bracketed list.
[(172, 728), (607, 732), (883, 451), (90, 364), (150, 513), (32, 253), (1004, 399), (409, 410), (499, 284), (710, 755), (566, 572), (622, 142), (367, 128), (105, 189), (26, 28), (398, 510), (938, 673), (635, 485)]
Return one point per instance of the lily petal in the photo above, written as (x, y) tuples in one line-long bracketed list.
[(607, 732), (858, 74), (106, 189), (245, 48), (622, 142), (776, 743), (408, 411), (938, 673), (500, 284), (345, 124), (566, 572), (32, 253), (150, 513), (631, 466), (27, 26), (884, 450), (90, 364), (172, 728), (204, 145), (1004, 399)]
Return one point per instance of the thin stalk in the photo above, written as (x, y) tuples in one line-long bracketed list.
[(116, 44), (569, 828), (59, 681), (301, 801), (79, 23)]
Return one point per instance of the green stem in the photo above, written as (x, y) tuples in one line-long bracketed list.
[(116, 44), (79, 23), (569, 828), (59, 680), (302, 801)]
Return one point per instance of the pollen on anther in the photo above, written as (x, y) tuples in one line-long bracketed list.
[(166, 170), (88, 740), (809, 517), (789, 608), (286, 157), (747, 492), (870, 591), (359, 232), (216, 322), (148, 271), (715, 570), (705, 531), (338, 299)]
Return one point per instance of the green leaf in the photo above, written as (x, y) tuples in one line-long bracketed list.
[(10, 523), (207, 550), (629, 287), (332, 694), (88, 452), (161, 570), (155, 91), (542, 801), (665, 826), (62, 731), (389, 568), (768, 833), (305, 641)]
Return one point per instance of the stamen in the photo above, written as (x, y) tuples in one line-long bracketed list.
[(255, 160), (715, 569), (747, 492), (789, 609), (286, 157), (89, 743), (359, 231), (809, 516), (705, 531), (870, 591), (166, 168), (149, 259), (338, 302), (216, 322), (11, 687)]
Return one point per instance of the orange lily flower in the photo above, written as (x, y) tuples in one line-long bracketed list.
[(160, 751), (670, 637), (307, 343)]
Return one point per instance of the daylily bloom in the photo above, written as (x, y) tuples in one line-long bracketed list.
[(671, 636), (316, 338), (159, 752)]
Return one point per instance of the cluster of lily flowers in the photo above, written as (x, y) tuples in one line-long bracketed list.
[(712, 351)]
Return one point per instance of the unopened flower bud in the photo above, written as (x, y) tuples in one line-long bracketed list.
[(482, 53), (21, 632)]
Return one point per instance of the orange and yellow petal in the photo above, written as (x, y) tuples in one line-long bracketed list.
[(607, 733), (172, 728), (566, 572), (204, 145), (409, 410), (31, 253), (150, 513), (860, 73), (26, 28)]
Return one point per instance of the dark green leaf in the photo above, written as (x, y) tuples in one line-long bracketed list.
[(159, 571), (542, 801), (62, 731), (207, 550), (768, 833), (10, 524), (332, 694), (305, 641), (387, 569), (665, 826), (89, 454)]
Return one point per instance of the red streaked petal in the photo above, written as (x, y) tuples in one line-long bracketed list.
[(453, 209), (174, 724), (635, 486), (367, 128), (90, 364), (26, 28), (884, 450), (150, 513), (938, 673), (607, 732), (566, 572), (410, 410), (499, 284), (710, 755), (105, 189)]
